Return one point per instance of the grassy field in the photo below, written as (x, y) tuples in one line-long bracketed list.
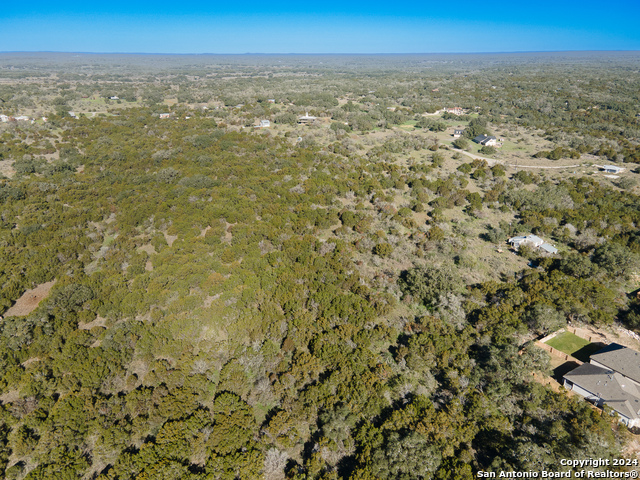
[(573, 345)]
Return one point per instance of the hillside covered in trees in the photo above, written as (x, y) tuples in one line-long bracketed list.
[(307, 301)]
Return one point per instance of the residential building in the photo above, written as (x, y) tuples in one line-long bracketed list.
[(611, 378), (619, 358), (533, 241), (488, 141), (458, 132), (606, 387), (612, 169), (264, 124), (165, 115), (548, 248), (454, 110), (306, 119)]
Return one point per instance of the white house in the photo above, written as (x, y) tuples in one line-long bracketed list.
[(165, 115), (306, 119), (488, 141), (612, 169), (458, 132), (533, 241), (454, 110), (264, 124)]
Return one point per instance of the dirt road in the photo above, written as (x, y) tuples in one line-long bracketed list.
[(492, 161)]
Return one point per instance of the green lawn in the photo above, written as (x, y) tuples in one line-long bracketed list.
[(575, 346)]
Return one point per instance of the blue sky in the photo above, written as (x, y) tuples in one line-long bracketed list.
[(318, 26)]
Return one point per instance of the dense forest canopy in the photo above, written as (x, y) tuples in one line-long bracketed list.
[(307, 301)]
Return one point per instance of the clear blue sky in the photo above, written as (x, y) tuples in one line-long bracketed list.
[(318, 26)]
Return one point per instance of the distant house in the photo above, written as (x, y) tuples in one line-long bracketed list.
[(271, 100), (457, 133), (21, 118), (4, 118), (533, 241), (73, 115), (165, 115), (454, 110), (612, 169), (611, 378), (486, 141), (306, 119), (114, 98), (264, 124)]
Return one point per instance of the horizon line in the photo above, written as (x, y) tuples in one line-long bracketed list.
[(323, 53)]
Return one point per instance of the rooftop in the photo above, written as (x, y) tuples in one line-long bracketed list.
[(620, 359), (608, 386), (548, 248)]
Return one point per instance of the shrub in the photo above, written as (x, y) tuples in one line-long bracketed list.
[(383, 250)]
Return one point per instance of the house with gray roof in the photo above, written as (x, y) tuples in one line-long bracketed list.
[(485, 140), (603, 386), (619, 358), (547, 247), (611, 378)]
